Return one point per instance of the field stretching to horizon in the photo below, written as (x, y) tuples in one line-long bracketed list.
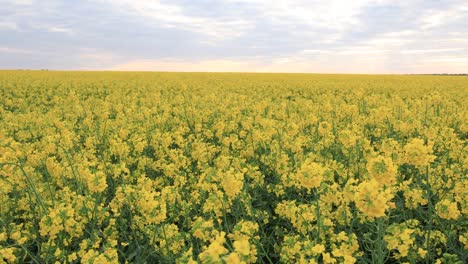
[(141, 167)]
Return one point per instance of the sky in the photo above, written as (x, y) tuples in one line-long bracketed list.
[(332, 36)]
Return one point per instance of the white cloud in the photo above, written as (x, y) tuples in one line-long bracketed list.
[(16, 50), (300, 17), (216, 65), (173, 16), (315, 51), (58, 29), (436, 18), (424, 51), (16, 2), (283, 64), (446, 59), (8, 25), (351, 50), (361, 50), (332, 14), (388, 41), (401, 34), (104, 57)]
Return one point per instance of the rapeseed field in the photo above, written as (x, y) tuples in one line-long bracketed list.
[(108, 167)]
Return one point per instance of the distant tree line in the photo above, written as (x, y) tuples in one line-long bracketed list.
[(443, 74)]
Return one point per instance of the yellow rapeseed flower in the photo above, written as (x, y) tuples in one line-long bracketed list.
[(371, 199), (382, 170), (447, 209), (418, 153)]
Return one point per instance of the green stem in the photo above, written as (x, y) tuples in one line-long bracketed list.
[(317, 211), (379, 253), (74, 173), (265, 253), (29, 182), (430, 216)]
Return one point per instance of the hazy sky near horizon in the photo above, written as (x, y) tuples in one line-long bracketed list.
[(333, 36)]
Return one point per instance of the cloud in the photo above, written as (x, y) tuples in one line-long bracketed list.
[(59, 30), (364, 50), (6, 25), (315, 51), (447, 59), (16, 50), (436, 18), (17, 2), (283, 65), (425, 51), (333, 14), (177, 65), (373, 36), (96, 60), (222, 65), (173, 16)]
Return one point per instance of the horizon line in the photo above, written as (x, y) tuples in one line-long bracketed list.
[(231, 72)]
